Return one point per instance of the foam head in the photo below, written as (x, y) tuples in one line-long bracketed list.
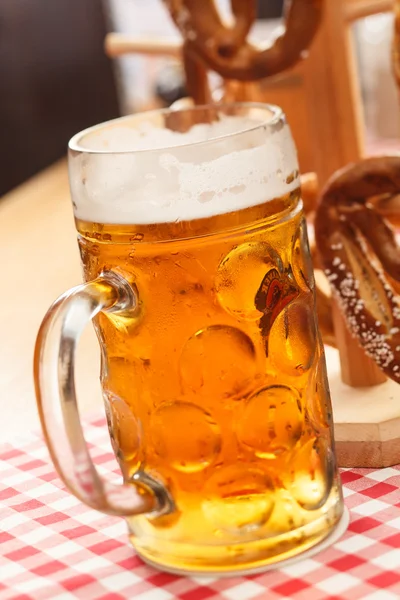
[(164, 166)]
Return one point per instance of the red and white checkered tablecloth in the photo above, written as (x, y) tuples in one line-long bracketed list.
[(53, 547)]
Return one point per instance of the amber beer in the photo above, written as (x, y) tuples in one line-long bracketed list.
[(218, 383), (213, 370)]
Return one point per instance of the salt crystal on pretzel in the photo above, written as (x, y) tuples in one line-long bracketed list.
[(361, 258)]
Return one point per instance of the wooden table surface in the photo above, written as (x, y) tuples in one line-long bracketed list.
[(40, 260)]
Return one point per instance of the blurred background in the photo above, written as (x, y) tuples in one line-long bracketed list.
[(57, 80)]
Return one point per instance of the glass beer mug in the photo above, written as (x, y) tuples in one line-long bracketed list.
[(200, 286)]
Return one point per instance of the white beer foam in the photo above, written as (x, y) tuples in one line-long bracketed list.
[(179, 178)]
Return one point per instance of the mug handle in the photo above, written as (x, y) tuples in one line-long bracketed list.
[(54, 365)]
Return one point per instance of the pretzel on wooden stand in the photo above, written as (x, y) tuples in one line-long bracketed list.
[(361, 257), (210, 44)]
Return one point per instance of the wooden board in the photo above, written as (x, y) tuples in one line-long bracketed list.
[(366, 420), (41, 261)]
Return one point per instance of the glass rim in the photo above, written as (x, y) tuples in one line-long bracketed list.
[(276, 116)]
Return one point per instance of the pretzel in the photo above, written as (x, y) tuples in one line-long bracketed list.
[(360, 255), (226, 49)]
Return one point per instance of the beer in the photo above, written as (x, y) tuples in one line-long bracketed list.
[(215, 383)]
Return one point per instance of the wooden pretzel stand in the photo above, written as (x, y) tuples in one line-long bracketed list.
[(321, 98)]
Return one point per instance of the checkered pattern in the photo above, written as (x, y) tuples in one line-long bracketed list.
[(53, 547)]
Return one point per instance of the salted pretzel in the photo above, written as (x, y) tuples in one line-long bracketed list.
[(360, 255), (225, 49)]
